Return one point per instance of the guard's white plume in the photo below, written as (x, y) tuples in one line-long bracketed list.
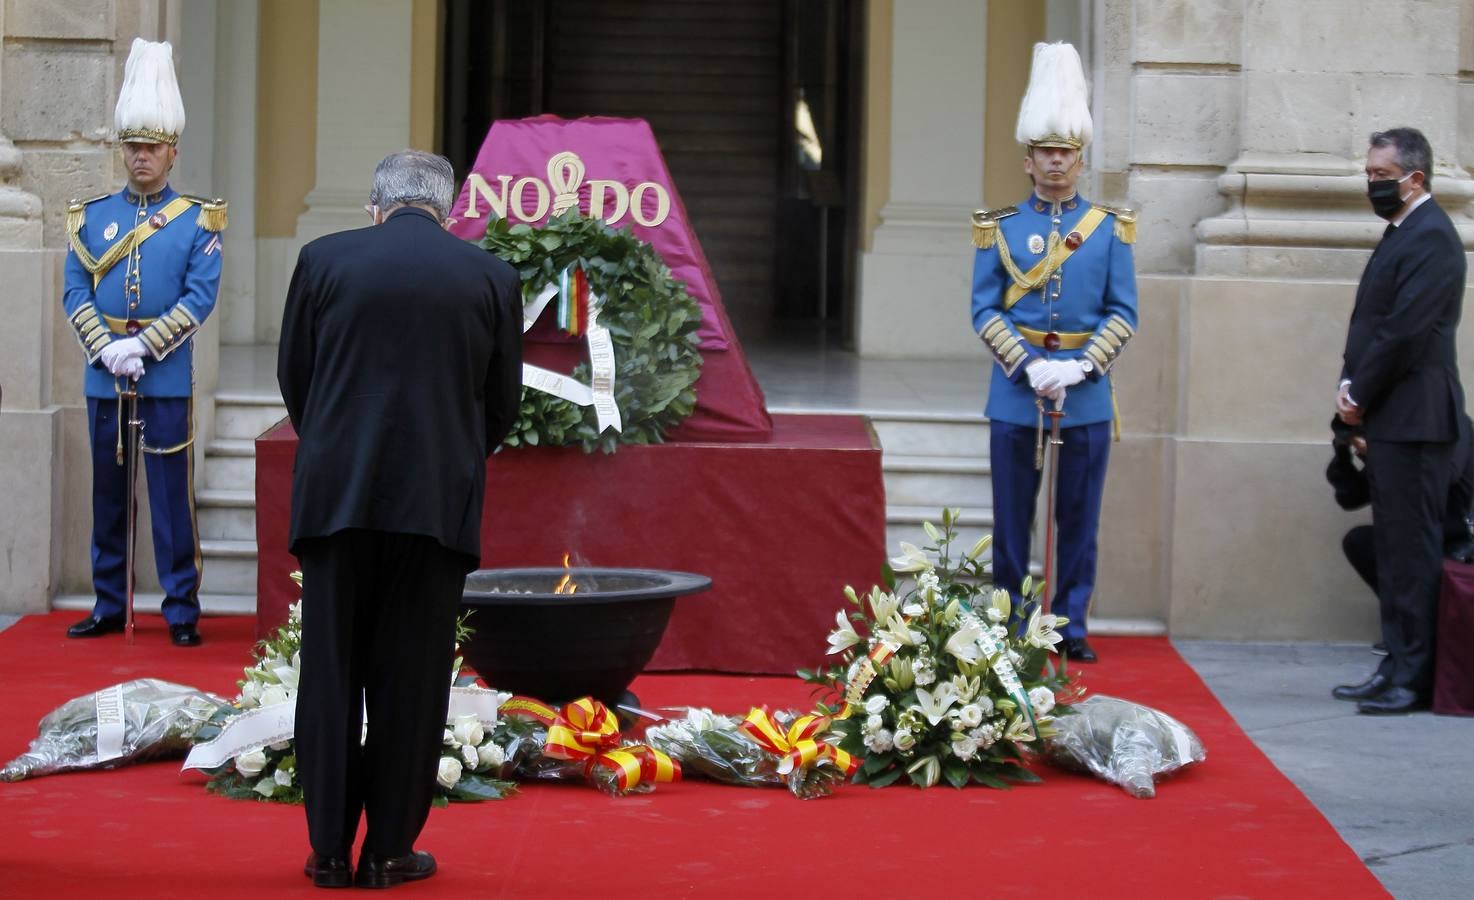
[(149, 106), (1056, 106)]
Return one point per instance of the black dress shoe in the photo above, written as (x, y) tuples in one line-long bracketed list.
[(94, 626), (329, 871), (1379, 649), (1364, 691), (376, 871), (1394, 701), (184, 635), (1078, 650)]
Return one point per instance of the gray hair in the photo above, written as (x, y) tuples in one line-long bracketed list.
[(414, 176), (1413, 152)]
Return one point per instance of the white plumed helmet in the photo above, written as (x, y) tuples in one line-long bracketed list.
[(149, 108), (1056, 108)]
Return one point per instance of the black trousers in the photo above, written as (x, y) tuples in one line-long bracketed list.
[(378, 638), (1409, 483)]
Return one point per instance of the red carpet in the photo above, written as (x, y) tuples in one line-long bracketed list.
[(1232, 827)]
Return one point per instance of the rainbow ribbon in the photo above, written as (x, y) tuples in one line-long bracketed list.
[(800, 747), (573, 301), (585, 730)]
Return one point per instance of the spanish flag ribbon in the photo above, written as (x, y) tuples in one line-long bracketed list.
[(585, 730), (854, 693), (800, 746), (573, 301), (527, 708)]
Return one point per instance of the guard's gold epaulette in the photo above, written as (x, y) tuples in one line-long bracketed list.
[(985, 225), (1125, 222), (212, 212), (76, 212)]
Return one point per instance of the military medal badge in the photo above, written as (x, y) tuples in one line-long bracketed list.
[(1036, 244), (158, 220), (110, 232)]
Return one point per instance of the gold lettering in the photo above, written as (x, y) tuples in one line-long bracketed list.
[(597, 187), (637, 204), (520, 208), (497, 204)]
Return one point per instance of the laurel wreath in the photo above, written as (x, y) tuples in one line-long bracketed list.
[(652, 322)]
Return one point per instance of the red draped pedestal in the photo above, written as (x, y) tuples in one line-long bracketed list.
[(780, 527)]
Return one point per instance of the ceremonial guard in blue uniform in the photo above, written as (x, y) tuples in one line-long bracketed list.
[(1054, 301), (142, 274)]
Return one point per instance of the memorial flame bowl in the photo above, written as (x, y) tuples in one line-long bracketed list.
[(559, 647)]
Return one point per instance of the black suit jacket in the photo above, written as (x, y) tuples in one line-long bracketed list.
[(401, 367), (1400, 352)]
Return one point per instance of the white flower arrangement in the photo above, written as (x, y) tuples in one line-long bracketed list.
[(472, 761), (948, 679)]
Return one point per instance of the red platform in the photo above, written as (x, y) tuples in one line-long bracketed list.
[(780, 527)]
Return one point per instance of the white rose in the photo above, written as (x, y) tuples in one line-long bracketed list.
[(880, 742), (1042, 699), (283, 777), (877, 704), (490, 756), (265, 787), (970, 716), (467, 729), (985, 706), (449, 772), (281, 745), (250, 763), (874, 724), (904, 740), (964, 747), (469, 755), (274, 693), (449, 739)]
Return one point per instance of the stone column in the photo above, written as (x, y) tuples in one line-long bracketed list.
[(363, 106), (914, 282), (1318, 78)]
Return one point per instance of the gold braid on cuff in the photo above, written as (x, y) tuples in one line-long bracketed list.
[(1108, 342), (1008, 348), (169, 331)]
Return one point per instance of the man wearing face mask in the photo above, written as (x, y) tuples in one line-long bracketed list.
[(1400, 382), (1054, 301), (401, 367)]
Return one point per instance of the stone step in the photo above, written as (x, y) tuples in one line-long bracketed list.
[(228, 515), (148, 604), (937, 481), (230, 469), (921, 434), (230, 566), (244, 417)]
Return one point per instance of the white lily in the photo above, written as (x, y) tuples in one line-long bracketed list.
[(983, 544), (287, 675), (934, 705), (844, 636), (897, 633), (1018, 730), (1041, 631), (929, 770), (882, 604), (1000, 606), (912, 559), (963, 643)]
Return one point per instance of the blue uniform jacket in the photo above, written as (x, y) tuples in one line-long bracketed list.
[(177, 279), (1095, 309)]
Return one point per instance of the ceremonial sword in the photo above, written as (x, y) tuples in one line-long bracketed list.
[(1051, 480), (128, 457)]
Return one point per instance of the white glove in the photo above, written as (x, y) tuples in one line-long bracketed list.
[(132, 368), (1037, 371), (1061, 373), (120, 351)]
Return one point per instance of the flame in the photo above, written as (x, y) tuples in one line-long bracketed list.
[(566, 584)]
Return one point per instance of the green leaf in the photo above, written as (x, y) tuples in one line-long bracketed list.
[(956, 773), (887, 778)]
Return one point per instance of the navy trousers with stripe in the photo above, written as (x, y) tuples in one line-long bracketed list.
[(168, 421)]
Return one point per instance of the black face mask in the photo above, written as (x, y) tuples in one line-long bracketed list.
[(1386, 196)]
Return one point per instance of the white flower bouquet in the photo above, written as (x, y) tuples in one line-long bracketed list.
[(948, 679)]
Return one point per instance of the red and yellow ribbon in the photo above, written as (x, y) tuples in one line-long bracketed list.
[(585, 730), (869, 668), (800, 746), (520, 707)]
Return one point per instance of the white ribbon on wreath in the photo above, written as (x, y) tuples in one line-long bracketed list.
[(600, 393)]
